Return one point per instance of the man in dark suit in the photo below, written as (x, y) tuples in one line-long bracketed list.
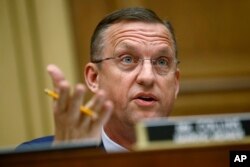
[(134, 75)]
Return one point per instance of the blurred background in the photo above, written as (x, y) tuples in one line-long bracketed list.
[(213, 41)]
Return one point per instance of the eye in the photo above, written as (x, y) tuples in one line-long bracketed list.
[(127, 59), (162, 61)]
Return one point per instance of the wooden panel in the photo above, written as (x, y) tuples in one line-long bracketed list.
[(207, 156)]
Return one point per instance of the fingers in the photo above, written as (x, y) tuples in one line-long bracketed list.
[(55, 74), (106, 112), (70, 123), (64, 95), (61, 86), (77, 99), (102, 106), (97, 101)]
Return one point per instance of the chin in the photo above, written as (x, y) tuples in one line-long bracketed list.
[(145, 115)]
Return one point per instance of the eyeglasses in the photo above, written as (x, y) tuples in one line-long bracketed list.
[(162, 64)]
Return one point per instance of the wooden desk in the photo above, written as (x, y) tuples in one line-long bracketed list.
[(212, 156)]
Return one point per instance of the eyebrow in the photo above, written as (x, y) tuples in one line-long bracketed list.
[(165, 51), (126, 45)]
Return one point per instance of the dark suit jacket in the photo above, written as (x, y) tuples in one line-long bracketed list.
[(44, 143)]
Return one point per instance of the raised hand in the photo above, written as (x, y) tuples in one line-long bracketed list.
[(71, 125)]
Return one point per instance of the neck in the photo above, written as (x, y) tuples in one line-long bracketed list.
[(122, 135)]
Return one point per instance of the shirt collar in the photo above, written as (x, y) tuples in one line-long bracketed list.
[(110, 145)]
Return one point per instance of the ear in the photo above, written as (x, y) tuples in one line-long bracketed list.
[(177, 82), (91, 76)]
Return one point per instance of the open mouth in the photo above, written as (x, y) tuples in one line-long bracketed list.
[(148, 99), (145, 100)]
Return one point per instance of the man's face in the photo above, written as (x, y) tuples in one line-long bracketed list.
[(142, 92)]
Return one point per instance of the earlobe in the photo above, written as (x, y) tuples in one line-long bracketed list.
[(177, 82), (91, 77)]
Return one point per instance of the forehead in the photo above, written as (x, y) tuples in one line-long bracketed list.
[(141, 32)]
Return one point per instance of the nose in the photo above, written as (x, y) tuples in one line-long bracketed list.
[(146, 75)]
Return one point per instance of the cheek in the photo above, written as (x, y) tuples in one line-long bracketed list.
[(116, 84), (168, 93), (168, 90)]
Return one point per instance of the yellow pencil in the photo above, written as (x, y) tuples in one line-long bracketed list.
[(83, 109)]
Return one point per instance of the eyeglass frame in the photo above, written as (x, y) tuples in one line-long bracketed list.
[(175, 60)]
